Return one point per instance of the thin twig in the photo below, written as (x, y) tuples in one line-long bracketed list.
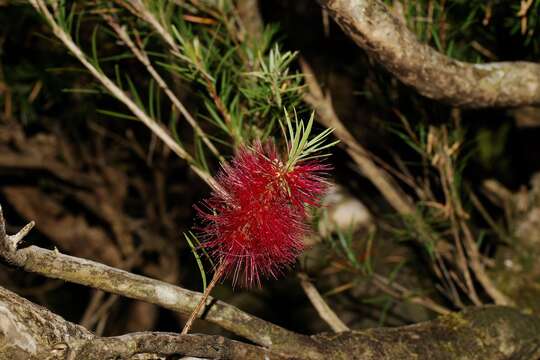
[(327, 116), (91, 308), (142, 56), (141, 10), (476, 264), (453, 208), (56, 265), (118, 93), (487, 217), (102, 311), (382, 180), (399, 291), (195, 313), (325, 312)]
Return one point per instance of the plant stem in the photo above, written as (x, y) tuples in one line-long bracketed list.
[(217, 276)]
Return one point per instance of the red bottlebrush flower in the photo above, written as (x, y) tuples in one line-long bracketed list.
[(255, 223)]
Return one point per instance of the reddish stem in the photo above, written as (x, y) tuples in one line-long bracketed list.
[(196, 313)]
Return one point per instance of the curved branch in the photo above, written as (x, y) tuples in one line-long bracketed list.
[(28, 331), (31, 332), (372, 25), (54, 264)]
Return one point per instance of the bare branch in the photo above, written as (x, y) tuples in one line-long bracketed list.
[(142, 56), (166, 344), (31, 332), (387, 39), (53, 264), (9, 243), (400, 292), (486, 332), (325, 312), (118, 93), (322, 104)]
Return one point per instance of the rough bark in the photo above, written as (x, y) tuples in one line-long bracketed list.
[(54, 264), (28, 331), (85, 272), (491, 332), (387, 39)]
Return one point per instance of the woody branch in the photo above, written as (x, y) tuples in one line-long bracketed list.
[(386, 38)]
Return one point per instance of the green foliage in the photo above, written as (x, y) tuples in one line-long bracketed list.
[(244, 84), (357, 253), (470, 29), (190, 238), (299, 144), (195, 246), (491, 144)]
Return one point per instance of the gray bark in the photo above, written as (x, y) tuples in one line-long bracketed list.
[(386, 38)]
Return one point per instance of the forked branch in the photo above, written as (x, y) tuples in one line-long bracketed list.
[(54, 264), (32, 332)]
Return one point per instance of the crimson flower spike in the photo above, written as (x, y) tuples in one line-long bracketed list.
[(255, 222)]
